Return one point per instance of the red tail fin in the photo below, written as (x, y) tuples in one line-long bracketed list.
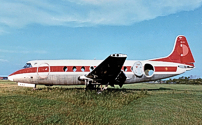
[(181, 53)]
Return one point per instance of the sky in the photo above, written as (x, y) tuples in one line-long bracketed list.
[(94, 29)]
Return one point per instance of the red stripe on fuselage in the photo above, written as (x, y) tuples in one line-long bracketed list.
[(43, 69), (128, 68), (27, 70), (78, 69), (69, 68), (165, 69), (58, 69)]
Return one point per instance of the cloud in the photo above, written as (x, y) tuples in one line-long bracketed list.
[(3, 60), (23, 51), (3, 32), (76, 13)]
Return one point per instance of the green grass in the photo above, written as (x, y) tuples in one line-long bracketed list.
[(141, 104), (7, 82)]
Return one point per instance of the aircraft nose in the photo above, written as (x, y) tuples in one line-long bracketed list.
[(10, 78)]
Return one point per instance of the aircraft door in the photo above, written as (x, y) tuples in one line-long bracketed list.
[(137, 69), (43, 70)]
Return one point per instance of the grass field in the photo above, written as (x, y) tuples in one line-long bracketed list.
[(134, 104)]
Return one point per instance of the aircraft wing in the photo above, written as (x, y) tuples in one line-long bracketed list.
[(109, 69)]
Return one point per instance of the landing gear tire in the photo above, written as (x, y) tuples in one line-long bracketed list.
[(102, 89), (89, 85)]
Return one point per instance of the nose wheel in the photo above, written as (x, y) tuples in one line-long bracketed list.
[(34, 87)]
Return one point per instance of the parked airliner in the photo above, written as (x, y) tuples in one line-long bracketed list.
[(114, 70)]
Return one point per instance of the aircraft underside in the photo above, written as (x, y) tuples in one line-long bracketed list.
[(74, 79)]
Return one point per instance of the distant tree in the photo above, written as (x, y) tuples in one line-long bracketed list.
[(174, 80), (169, 81), (185, 80)]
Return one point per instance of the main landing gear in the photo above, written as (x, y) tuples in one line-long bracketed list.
[(97, 87)]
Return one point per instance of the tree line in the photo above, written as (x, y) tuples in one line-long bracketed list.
[(184, 80)]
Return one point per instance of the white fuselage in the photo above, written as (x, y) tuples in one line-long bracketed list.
[(61, 72)]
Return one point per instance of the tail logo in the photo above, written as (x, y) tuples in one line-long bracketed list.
[(184, 49)]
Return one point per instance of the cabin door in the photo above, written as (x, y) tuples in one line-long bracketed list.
[(138, 69), (43, 70)]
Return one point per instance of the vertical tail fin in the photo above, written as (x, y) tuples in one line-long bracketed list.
[(181, 53)]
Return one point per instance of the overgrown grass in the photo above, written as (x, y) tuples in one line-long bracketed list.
[(6, 82), (179, 104)]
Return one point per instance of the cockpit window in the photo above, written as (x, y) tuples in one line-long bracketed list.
[(28, 65)]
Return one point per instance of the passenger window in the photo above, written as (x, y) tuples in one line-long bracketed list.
[(74, 69), (82, 68), (91, 68), (125, 69), (65, 69)]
